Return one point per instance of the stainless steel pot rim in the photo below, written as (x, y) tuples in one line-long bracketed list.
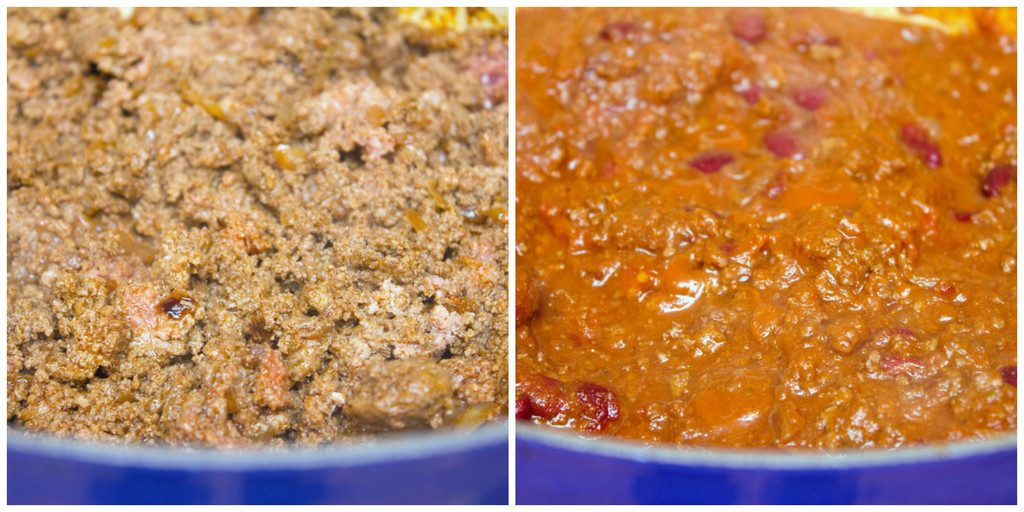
[(763, 458), (409, 446)]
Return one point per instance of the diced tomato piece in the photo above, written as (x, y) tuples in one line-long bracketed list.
[(813, 36), (272, 380), (527, 298), (885, 336), (905, 332), (776, 186), (556, 221), (946, 289)]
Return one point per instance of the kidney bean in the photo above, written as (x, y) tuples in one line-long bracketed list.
[(524, 409), (781, 144), (997, 178), (710, 162), (598, 404), (810, 98), (918, 139), (896, 364), (546, 396), (752, 94), (749, 26), (962, 216), (618, 30), (1009, 374)]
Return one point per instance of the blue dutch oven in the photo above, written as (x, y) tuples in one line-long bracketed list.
[(426, 468), (559, 467)]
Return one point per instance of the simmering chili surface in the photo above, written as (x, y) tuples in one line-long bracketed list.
[(765, 228)]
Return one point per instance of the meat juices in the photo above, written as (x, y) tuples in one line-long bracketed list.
[(764, 228), (207, 225)]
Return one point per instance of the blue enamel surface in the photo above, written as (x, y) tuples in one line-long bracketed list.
[(556, 468), (434, 469)]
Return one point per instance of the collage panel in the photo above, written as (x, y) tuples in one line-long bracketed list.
[(266, 255), (765, 255), (257, 255)]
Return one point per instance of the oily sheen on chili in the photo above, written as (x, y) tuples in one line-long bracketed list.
[(765, 228)]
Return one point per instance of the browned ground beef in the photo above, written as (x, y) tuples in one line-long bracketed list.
[(236, 226)]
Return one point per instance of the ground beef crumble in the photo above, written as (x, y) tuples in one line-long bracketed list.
[(240, 226)]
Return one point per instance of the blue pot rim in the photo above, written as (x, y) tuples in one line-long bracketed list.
[(726, 458), (392, 448)]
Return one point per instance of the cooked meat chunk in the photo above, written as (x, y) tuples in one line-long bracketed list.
[(401, 393)]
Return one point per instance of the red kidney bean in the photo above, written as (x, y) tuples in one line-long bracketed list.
[(962, 216), (710, 162), (752, 94), (781, 144), (997, 178), (1009, 374), (546, 396), (896, 364), (618, 30), (810, 98), (598, 404), (524, 409), (918, 139), (749, 26)]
